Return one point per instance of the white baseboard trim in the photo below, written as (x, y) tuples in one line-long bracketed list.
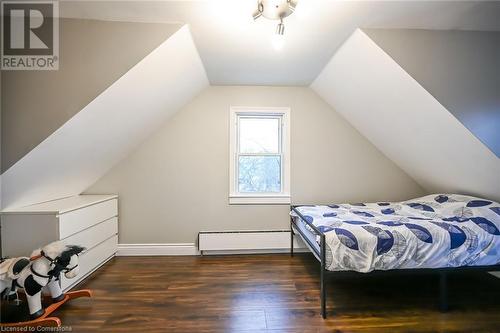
[(187, 249), (173, 249)]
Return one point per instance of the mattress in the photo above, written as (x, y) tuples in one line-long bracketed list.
[(308, 234), (435, 231)]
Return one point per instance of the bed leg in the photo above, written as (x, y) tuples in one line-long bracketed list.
[(323, 294), (443, 292), (291, 237), (323, 277)]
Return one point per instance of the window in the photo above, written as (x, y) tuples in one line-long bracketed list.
[(259, 159)]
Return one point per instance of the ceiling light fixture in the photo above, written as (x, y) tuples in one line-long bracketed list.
[(275, 10)]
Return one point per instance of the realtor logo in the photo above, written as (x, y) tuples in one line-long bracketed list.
[(30, 35)]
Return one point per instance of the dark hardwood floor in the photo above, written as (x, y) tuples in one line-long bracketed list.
[(273, 293)]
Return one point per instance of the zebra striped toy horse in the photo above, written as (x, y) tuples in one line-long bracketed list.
[(41, 270)]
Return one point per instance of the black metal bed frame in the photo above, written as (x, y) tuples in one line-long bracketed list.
[(321, 256)]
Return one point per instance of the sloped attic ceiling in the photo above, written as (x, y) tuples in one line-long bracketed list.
[(109, 127), (378, 97), (460, 68), (224, 46), (94, 54)]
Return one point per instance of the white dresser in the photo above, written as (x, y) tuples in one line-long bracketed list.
[(86, 220)]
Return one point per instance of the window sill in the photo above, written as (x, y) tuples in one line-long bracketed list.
[(278, 199)]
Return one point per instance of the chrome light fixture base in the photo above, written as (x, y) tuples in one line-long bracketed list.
[(275, 10)]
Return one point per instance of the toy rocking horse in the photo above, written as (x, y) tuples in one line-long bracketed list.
[(41, 271)]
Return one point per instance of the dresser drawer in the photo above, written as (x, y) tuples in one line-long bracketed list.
[(94, 235), (91, 260), (83, 218)]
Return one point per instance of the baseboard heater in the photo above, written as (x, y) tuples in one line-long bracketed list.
[(249, 241)]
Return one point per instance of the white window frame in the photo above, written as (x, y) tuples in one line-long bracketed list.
[(236, 197)]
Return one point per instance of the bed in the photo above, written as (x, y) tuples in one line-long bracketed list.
[(439, 232)]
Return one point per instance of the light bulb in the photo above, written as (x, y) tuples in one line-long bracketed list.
[(278, 41)]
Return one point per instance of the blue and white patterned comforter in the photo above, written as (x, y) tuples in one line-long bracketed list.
[(445, 230)]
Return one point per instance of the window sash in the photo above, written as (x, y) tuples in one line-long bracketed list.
[(279, 154), (259, 198), (259, 116), (259, 193)]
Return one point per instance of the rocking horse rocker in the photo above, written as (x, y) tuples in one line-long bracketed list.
[(41, 272)]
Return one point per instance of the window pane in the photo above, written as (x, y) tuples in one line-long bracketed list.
[(259, 174), (259, 135)]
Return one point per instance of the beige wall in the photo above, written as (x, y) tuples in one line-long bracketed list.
[(176, 183), (93, 54)]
